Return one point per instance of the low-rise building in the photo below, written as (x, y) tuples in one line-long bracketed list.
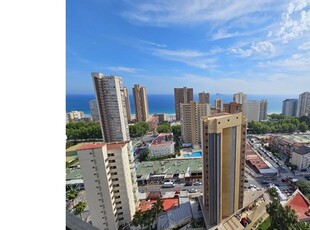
[(75, 115), (300, 204), (301, 157), (161, 117), (162, 145), (286, 143)]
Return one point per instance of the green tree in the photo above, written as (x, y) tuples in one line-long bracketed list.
[(164, 128), (138, 219), (303, 127), (79, 208), (304, 187), (138, 129), (148, 219), (72, 193), (176, 130), (157, 208), (273, 192)]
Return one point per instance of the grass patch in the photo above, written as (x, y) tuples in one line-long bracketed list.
[(265, 225)]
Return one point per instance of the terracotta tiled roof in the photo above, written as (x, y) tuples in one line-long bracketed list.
[(300, 204), (91, 146)]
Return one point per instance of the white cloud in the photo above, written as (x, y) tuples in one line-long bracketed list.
[(304, 46), (189, 57), (298, 63), (122, 69), (166, 12), (242, 53), (295, 21), (264, 47), (152, 43)]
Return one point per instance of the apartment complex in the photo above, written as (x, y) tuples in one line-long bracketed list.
[(255, 110), (94, 112), (223, 144), (182, 95), (233, 107), (128, 112), (289, 107), (301, 157), (152, 122), (110, 183), (162, 145), (141, 105), (112, 107), (240, 98), (74, 116), (204, 97), (218, 105), (303, 108), (190, 118)]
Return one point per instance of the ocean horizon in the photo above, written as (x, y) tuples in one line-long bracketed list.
[(164, 103)]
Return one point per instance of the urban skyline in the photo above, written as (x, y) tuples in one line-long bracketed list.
[(252, 47)]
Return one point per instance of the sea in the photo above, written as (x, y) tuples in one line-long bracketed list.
[(164, 103)]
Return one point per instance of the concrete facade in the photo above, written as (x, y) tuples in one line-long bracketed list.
[(251, 110), (75, 116), (110, 183), (162, 145), (141, 104), (289, 107), (204, 97), (112, 107), (223, 145), (190, 119), (94, 110), (218, 105), (240, 98), (128, 112), (233, 107), (152, 122), (303, 108), (182, 95), (301, 157), (263, 108)]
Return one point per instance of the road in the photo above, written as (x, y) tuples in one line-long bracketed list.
[(156, 187)]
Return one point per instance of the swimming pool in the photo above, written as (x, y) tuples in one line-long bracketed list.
[(193, 154)]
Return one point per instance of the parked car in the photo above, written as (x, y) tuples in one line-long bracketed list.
[(193, 190), (197, 183), (188, 183)]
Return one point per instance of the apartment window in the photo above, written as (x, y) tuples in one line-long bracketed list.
[(121, 213), (121, 218), (110, 154), (116, 185), (116, 191), (219, 122), (115, 179), (118, 202), (90, 153), (111, 161), (119, 208), (117, 197)]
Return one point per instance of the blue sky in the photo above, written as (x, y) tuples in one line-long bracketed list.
[(257, 47)]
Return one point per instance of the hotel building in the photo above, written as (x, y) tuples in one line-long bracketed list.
[(223, 144), (141, 105), (112, 107), (303, 108), (182, 95), (110, 183)]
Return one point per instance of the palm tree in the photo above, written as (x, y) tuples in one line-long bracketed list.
[(72, 193), (148, 218), (138, 219), (273, 192), (157, 208), (79, 208)]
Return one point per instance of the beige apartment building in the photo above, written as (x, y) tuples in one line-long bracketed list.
[(233, 107), (182, 95), (190, 121), (223, 145), (204, 97), (303, 107), (141, 105), (110, 183), (75, 116), (110, 98), (218, 105), (126, 95)]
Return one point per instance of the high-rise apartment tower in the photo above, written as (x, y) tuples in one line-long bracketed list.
[(303, 108), (110, 183), (240, 98), (112, 107), (289, 107), (127, 102), (182, 95), (191, 113), (204, 97), (141, 105), (223, 144)]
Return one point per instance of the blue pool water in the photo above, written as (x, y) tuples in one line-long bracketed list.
[(193, 154)]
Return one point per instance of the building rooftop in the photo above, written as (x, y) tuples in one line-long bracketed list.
[(119, 145), (91, 146), (303, 150), (300, 204), (163, 139), (74, 174), (170, 166), (168, 204), (295, 138), (257, 161)]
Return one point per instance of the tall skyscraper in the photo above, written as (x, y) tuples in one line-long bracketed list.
[(190, 120), (126, 95), (289, 107), (240, 98), (94, 110), (182, 95), (218, 105), (223, 145), (233, 107), (141, 105), (263, 110), (303, 108), (112, 107), (204, 97), (110, 183)]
